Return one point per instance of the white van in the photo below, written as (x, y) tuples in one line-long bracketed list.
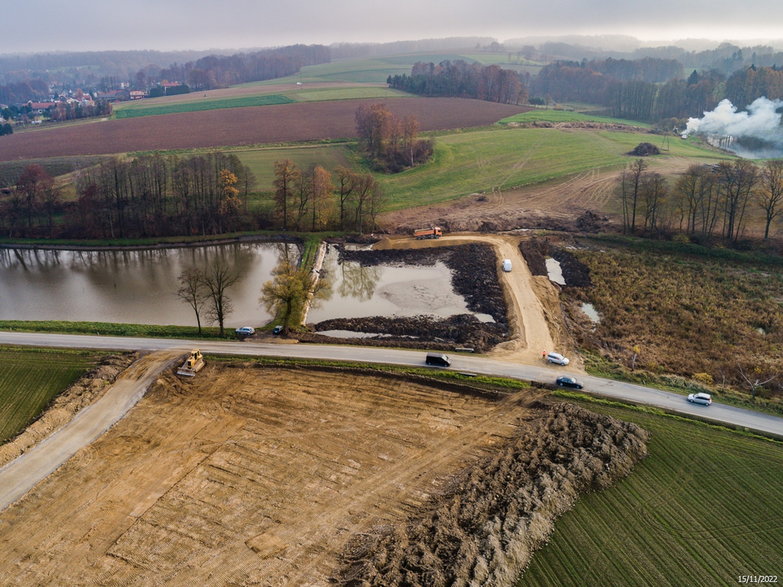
[(506, 265)]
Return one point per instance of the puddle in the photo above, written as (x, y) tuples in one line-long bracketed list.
[(591, 312), (554, 271)]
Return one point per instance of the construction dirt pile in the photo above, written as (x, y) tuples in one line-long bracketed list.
[(88, 388), (488, 522), (474, 276)]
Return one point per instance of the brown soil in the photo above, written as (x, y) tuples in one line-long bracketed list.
[(248, 475), (65, 406), (485, 527), (555, 205), (243, 126)]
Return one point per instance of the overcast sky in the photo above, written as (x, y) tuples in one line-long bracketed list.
[(75, 25)]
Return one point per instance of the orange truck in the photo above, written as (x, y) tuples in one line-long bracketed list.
[(432, 232)]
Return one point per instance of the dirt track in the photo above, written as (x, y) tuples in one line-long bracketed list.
[(553, 205), (532, 301), (246, 475)]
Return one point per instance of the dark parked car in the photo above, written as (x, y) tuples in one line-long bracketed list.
[(568, 382), (277, 329), (438, 359)]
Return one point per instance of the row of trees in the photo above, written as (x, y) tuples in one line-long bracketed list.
[(152, 195), (391, 144), (706, 201), (317, 199), (461, 79), (75, 110)]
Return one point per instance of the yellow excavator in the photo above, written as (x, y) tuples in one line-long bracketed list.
[(192, 365)]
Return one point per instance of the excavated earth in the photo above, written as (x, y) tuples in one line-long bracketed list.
[(252, 474)]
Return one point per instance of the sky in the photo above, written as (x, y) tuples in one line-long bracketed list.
[(93, 25)]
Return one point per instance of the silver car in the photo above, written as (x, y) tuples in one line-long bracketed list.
[(704, 399)]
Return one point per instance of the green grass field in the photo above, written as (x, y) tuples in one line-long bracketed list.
[(261, 161), (547, 115), (31, 378), (487, 159), (134, 109), (702, 509), (358, 93)]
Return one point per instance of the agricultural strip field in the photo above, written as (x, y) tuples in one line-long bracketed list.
[(141, 109), (244, 126), (248, 475), (29, 379), (701, 509)]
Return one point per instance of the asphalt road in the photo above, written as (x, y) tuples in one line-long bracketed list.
[(542, 373)]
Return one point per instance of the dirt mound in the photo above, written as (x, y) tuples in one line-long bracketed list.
[(65, 406), (486, 525), (644, 150), (474, 276)]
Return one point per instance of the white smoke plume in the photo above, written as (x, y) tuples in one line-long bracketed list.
[(760, 123)]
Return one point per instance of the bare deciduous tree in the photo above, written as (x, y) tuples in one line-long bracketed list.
[(217, 278), (192, 291)]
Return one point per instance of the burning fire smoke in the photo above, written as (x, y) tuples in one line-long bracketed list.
[(754, 134)]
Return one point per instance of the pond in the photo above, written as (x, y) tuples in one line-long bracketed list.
[(131, 286), (359, 291)]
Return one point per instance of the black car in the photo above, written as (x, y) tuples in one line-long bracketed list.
[(568, 382)]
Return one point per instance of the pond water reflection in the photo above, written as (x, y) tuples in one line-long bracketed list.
[(135, 286), (360, 291)]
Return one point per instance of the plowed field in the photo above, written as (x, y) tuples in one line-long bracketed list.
[(247, 476), (243, 126)]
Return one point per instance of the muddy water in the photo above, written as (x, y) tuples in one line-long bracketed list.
[(127, 286), (388, 290), (554, 271)]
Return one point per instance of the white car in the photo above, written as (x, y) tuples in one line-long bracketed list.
[(245, 331), (704, 399), (557, 359), (506, 265)]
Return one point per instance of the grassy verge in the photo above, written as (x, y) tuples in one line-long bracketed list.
[(482, 381), (601, 367), (31, 378), (111, 329), (260, 235), (700, 510)]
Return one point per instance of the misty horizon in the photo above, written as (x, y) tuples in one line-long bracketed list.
[(170, 25)]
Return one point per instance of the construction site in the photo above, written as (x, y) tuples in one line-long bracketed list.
[(252, 474)]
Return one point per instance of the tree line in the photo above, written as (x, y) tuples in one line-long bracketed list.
[(219, 71), (706, 202), (465, 80), (639, 99), (156, 195)]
